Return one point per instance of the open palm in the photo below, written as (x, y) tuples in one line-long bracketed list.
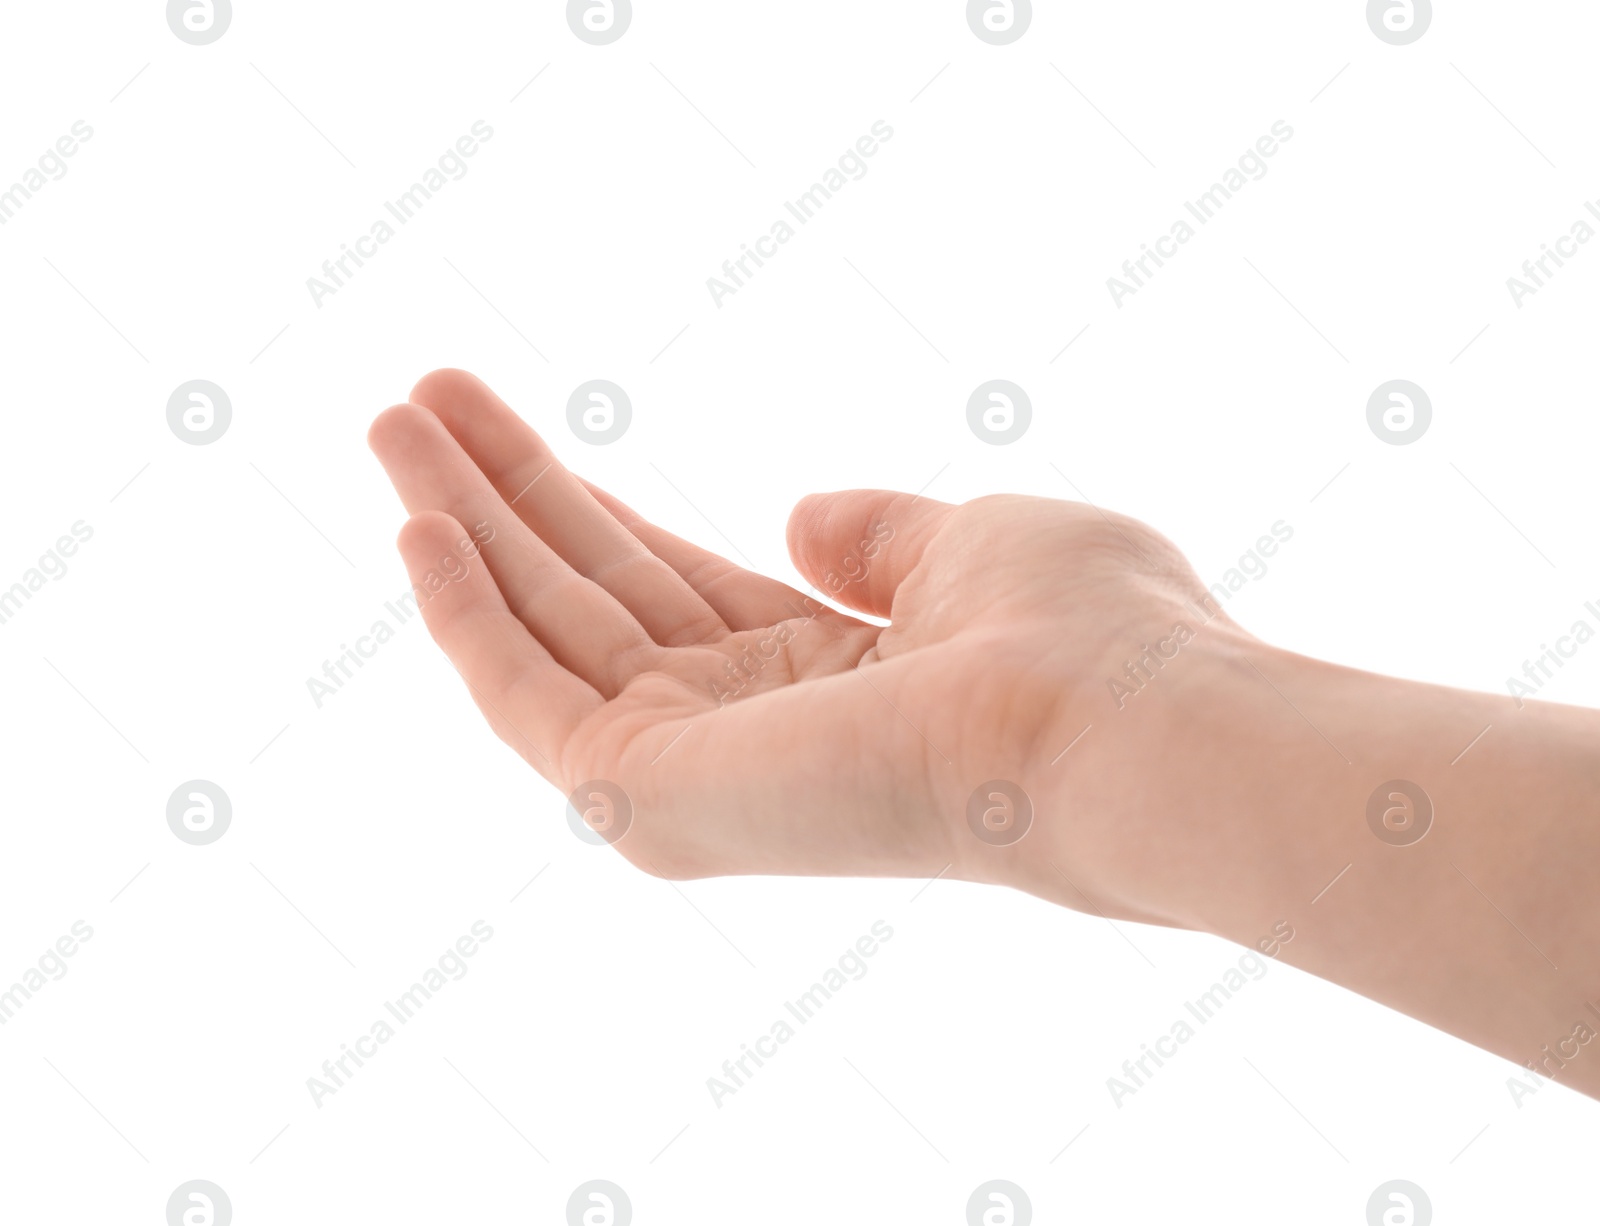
[(744, 726)]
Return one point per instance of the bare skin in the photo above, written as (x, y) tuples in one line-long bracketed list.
[(754, 729)]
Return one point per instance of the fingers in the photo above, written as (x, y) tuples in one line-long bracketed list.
[(532, 701), (583, 627), (743, 599), (555, 504), (857, 546)]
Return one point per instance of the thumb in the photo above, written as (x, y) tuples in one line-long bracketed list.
[(856, 546)]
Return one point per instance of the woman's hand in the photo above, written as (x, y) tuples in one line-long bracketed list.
[(751, 728), (1057, 704)]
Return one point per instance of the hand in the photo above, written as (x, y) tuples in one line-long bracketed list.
[(756, 730), (1057, 704)]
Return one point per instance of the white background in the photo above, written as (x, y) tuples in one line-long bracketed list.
[(370, 833)]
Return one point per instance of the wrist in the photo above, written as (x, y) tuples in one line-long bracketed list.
[(1170, 803), (1434, 850)]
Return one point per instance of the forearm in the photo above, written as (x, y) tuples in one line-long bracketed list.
[(1485, 926)]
